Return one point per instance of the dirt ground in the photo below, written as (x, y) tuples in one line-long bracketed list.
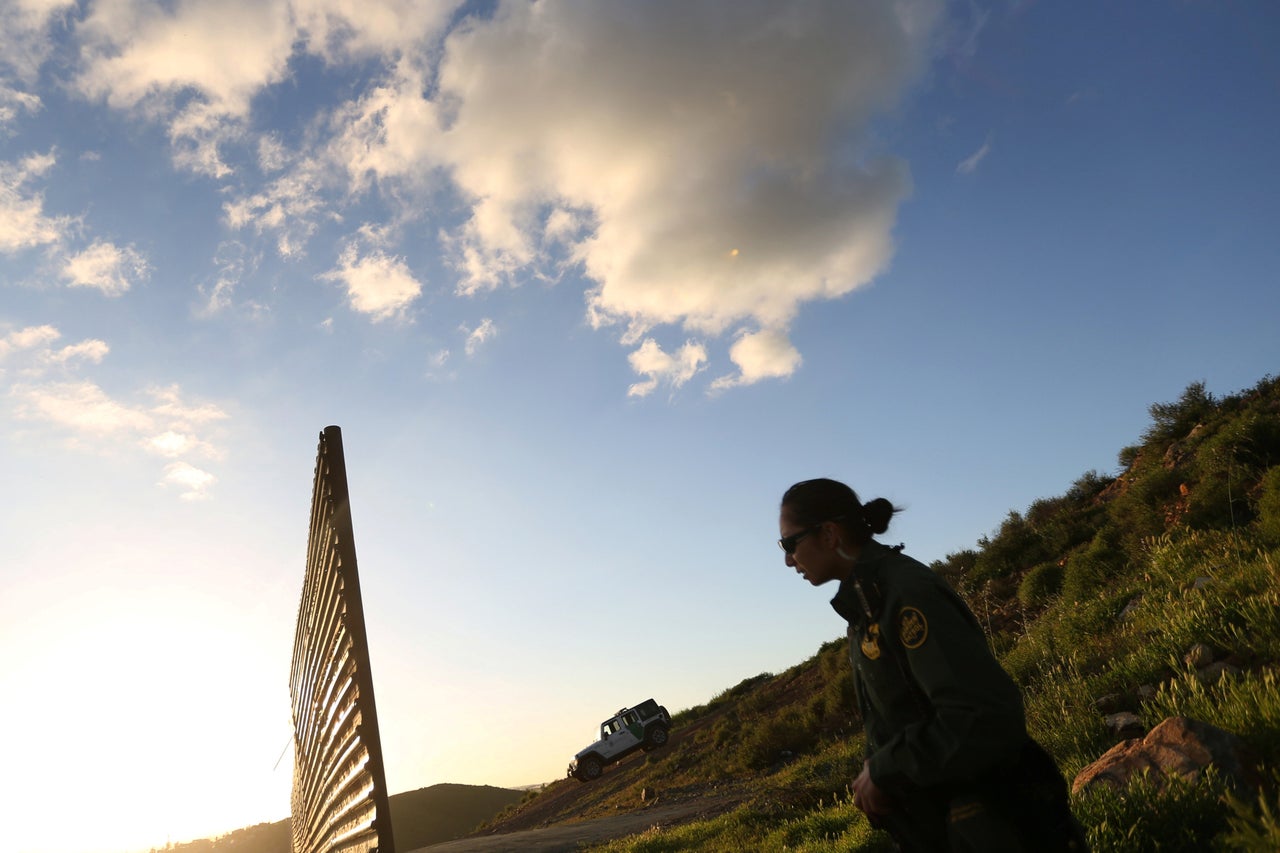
[(566, 837)]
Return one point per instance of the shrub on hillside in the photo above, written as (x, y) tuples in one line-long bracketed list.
[(1014, 546), (765, 741), (1269, 506), (1040, 584), (1226, 464), (1128, 455), (1172, 421), (1141, 511), (1090, 570)]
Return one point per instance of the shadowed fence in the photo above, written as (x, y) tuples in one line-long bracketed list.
[(339, 788)]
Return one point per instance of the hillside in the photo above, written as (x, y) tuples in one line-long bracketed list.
[(1092, 599), (418, 818)]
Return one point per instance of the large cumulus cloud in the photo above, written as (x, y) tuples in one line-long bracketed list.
[(710, 165)]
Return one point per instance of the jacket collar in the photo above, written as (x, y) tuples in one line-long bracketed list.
[(865, 572)]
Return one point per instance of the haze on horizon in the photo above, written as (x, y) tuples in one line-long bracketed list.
[(586, 286)]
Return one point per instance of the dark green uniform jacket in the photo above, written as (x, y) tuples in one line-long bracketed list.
[(946, 733), (936, 704), (937, 707)]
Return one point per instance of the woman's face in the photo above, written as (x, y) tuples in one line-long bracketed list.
[(814, 556)]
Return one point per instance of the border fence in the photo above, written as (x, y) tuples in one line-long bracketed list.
[(339, 800)]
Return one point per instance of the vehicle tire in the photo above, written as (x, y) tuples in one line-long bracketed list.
[(656, 737), (590, 768)]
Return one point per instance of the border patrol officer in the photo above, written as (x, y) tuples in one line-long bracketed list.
[(949, 763)]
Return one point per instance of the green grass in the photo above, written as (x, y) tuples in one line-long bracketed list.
[(1180, 816)]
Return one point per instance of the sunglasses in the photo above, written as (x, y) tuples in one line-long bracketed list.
[(788, 543)]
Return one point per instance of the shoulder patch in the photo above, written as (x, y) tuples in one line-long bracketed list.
[(913, 628)]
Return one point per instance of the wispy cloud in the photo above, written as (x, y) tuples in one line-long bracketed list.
[(479, 335), (970, 164), (25, 40), (197, 66), (23, 222), (79, 412), (194, 483), (14, 103)]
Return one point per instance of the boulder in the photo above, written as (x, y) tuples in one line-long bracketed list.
[(1109, 703), (1213, 673), (1179, 746), (1125, 724)]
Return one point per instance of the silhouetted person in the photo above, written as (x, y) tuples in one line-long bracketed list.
[(950, 766)]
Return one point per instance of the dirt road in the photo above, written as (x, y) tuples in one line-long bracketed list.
[(567, 837)]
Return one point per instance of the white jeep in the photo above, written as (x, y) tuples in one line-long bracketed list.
[(644, 726)]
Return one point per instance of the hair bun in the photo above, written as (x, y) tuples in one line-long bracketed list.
[(877, 514)]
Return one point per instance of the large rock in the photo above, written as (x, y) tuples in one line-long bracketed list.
[(1177, 747)]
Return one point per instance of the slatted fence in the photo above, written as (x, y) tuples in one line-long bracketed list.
[(339, 789)]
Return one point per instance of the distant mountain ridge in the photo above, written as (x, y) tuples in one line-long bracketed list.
[(418, 818)]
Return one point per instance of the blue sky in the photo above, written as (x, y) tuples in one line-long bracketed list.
[(587, 286)]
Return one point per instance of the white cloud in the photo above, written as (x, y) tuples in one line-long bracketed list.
[(14, 102), (24, 34), (28, 338), (90, 350), (82, 414), (171, 445), (198, 132), (195, 481), (341, 30), (377, 284), (105, 267), (197, 65), (33, 347), (766, 354), (225, 51), (23, 223), (479, 335), (970, 164), (718, 198), (708, 165), (170, 405), (650, 361), (81, 406), (289, 206), (230, 262)]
